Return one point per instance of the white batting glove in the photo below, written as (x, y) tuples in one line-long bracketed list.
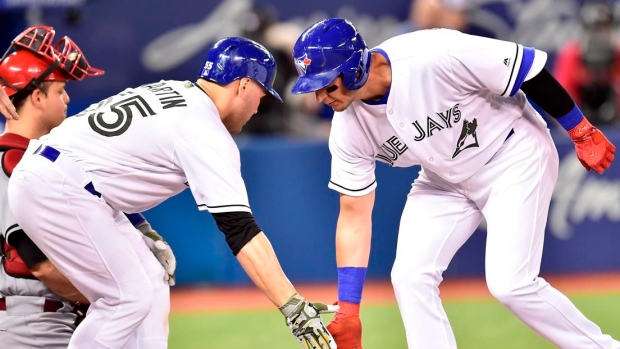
[(161, 250), (304, 320)]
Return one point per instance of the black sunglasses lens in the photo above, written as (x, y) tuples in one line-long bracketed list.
[(331, 88)]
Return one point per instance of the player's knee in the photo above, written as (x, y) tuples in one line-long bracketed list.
[(140, 301), (411, 278), (504, 291)]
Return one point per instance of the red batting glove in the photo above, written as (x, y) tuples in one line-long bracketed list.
[(346, 326), (593, 149)]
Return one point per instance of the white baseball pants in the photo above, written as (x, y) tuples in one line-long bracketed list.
[(98, 249), (512, 191)]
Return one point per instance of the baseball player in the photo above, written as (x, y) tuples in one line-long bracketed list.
[(456, 105), (39, 306), (132, 151)]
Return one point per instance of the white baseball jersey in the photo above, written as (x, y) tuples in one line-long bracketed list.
[(181, 142), (452, 103)]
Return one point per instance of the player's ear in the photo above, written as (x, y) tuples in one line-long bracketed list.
[(240, 86), (244, 83), (35, 97)]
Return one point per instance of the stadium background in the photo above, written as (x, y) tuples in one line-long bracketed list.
[(141, 41)]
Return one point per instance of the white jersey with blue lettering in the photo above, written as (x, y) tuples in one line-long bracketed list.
[(452, 103), (455, 107), (152, 142)]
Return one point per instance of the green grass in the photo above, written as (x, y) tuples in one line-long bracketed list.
[(477, 325)]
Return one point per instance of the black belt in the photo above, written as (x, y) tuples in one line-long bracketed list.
[(49, 306), (512, 131), (52, 154)]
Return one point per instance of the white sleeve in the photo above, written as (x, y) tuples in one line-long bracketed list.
[(212, 167), (499, 66), (540, 59), (353, 162)]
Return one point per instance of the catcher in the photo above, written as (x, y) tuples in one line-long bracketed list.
[(39, 306)]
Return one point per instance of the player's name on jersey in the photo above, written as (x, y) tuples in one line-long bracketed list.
[(448, 118)]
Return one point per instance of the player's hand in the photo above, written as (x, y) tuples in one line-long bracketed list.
[(346, 326), (80, 310), (304, 320), (6, 106), (161, 250), (593, 149)]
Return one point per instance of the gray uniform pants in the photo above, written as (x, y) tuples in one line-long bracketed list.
[(25, 326)]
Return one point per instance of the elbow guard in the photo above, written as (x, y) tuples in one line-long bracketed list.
[(21, 256), (238, 227)]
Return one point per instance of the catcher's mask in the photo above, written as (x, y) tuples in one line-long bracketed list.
[(36, 60)]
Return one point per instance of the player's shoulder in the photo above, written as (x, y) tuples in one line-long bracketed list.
[(12, 148), (179, 84), (162, 87), (418, 43), (190, 90), (347, 139), (408, 41), (346, 124)]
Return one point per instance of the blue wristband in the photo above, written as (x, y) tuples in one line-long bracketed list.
[(135, 218), (571, 119), (351, 284)]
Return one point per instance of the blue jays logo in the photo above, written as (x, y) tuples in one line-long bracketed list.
[(302, 64), (468, 137)]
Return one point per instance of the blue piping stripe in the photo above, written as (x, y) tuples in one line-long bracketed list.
[(526, 64), (384, 99)]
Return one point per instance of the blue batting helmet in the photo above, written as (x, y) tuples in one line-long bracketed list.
[(234, 58), (327, 49)]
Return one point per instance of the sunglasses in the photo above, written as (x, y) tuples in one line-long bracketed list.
[(331, 88)]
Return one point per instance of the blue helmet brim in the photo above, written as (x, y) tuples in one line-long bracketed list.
[(273, 93), (311, 83)]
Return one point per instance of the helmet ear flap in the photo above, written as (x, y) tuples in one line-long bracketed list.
[(355, 77)]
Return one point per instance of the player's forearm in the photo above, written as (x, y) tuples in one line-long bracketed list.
[(47, 273), (354, 230), (259, 261), (353, 242), (353, 235)]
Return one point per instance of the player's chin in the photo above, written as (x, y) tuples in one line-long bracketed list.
[(235, 130), (339, 107)]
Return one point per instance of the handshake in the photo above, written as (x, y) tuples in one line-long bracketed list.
[(304, 320)]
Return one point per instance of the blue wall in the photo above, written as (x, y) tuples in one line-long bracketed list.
[(137, 42), (287, 186)]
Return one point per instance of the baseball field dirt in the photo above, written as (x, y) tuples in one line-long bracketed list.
[(210, 298)]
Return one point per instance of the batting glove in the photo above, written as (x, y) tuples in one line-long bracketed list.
[(304, 320), (593, 150), (161, 250), (346, 326)]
